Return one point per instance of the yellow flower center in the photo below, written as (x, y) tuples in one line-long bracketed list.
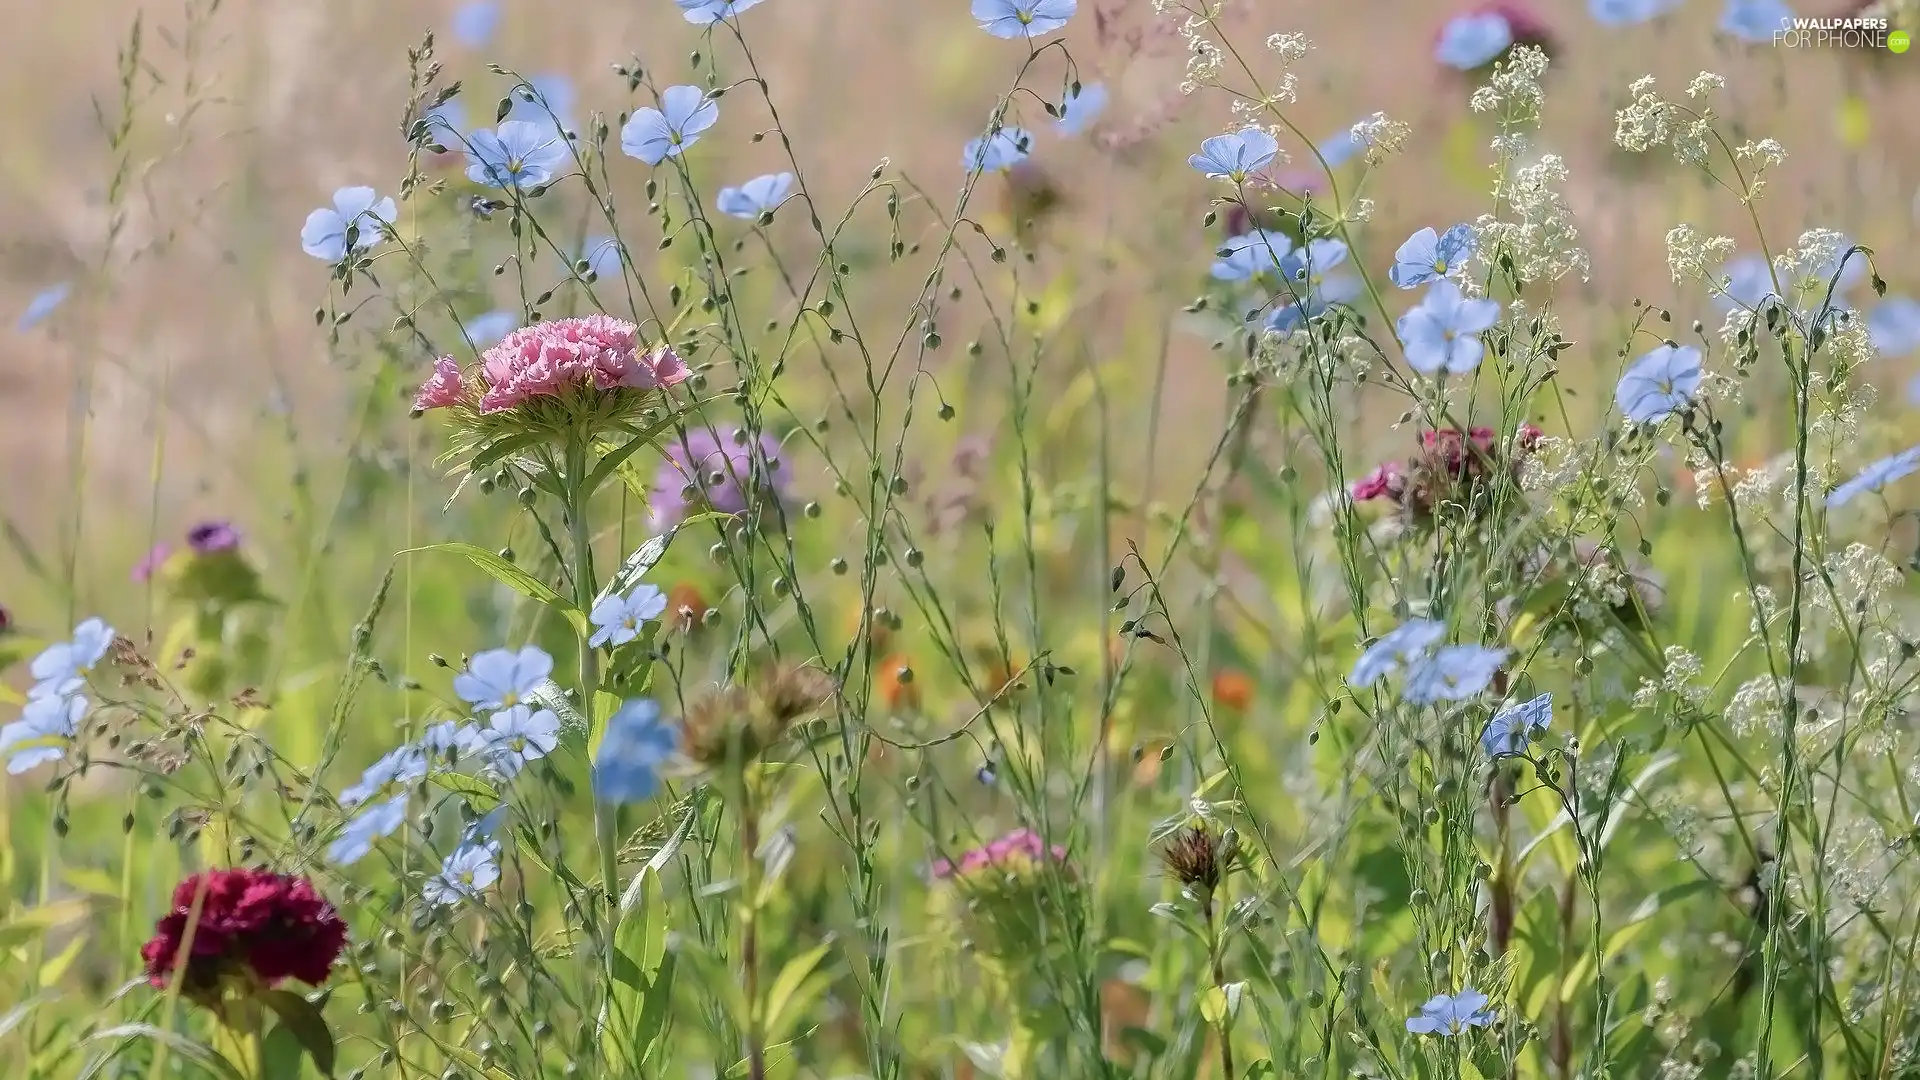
[(1439, 266), (1025, 17)]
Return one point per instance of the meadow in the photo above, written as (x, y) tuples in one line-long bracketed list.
[(973, 538)]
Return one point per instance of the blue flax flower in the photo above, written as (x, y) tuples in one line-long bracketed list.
[(550, 103), (45, 729), (469, 871), (1443, 333), (708, 12), (1248, 254), (1626, 12), (1894, 326), (654, 135), (602, 256), (61, 667), (388, 776), (1472, 40), (1659, 384), (446, 123), (43, 304), (1749, 283), (1235, 157), (519, 154), (1081, 108), (1408, 641), (1454, 673), (627, 767), (324, 236), (996, 151), (1876, 476), (517, 737), (474, 23), (1340, 148), (500, 679), (1755, 21), (357, 839), (1510, 730), (619, 619), (1306, 290), (1449, 1014), (1023, 18), (755, 197), (1427, 256)]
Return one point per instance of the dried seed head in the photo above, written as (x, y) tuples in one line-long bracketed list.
[(794, 693), (738, 724), (1198, 859)]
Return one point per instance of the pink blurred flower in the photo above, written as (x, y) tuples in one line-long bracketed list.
[(1377, 484), (443, 388), (542, 360), (1017, 849), (144, 569), (210, 537)]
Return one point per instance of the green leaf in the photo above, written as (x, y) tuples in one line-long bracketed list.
[(512, 577), (780, 1054), (281, 1054), (1220, 1004), (302, 1018), (787, 984), (1263, 1067), (495, 451), (644, 558), (483, 796), (636, 1011), (197, 1052), (33, 922)]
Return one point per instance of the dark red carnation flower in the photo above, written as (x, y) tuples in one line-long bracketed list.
[(253, 924), (6, 619), (1451, 466)]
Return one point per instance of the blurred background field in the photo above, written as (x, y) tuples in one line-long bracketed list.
[(162, 158)]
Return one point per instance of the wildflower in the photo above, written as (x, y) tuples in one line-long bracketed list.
[(654, 135), (1023, 18), (443, 389), (1525, 23), (740, 724), (1235, 157), (46, 726), (1199, 860), (387, 777), (757, 196), (517, 736), (1447, 1014), (618, 619), (1083, 105), (151, 562), (359, 209), (1250, 254), (519, 154), (1019, 849), (1404, 643), (1509, 731), (470, 870), (1876, 476), (500, 679), (707, 12), (1627, 12), (250, 927), (1894, 326), (1443, 333), (1339, 149), (1383, 482), (1451, 467), (68, 663), (213, 537), (1233, 690), (1659, 384), (626, 769), (6, 621), (446, 124), (552, 359), (380, 820), (474, 24), (996, 151), (449, 740), (725, 474), (1303, 273), (1755, 21), (42, 305), (1310, 302), (1473, 40), (1454, 673), (1427, 257)]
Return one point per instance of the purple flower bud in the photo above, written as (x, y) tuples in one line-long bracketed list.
[(143, 570), (210, 537)]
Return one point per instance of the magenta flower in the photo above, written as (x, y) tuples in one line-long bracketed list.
[(1017, 850), (722, 471), (443, 388), (144, 570), (212, 537)]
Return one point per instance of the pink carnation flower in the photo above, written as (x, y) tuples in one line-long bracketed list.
[(1018, 848), (443, 388), (597, 351)]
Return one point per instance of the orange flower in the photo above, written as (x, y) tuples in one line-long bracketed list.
[(685, 607), (895, 681), (1232, 690)]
